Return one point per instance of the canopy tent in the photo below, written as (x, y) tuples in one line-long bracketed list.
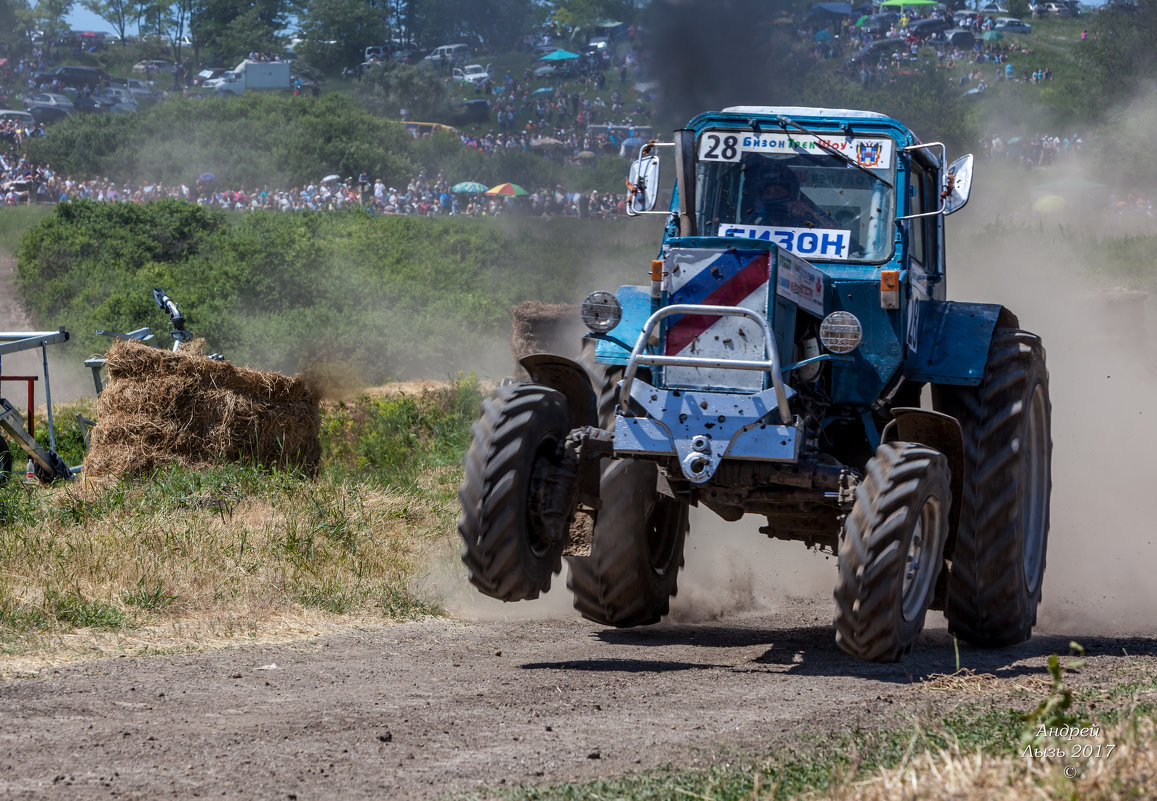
[(831, 10), (559, 55)]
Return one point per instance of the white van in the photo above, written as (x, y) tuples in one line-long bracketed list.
[(450, 54)]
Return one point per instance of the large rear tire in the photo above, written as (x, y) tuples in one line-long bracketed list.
[(517, 496), (632, 571), (998, 557), (891, 550)]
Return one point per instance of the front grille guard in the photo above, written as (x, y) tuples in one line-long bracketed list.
[(771, 365)]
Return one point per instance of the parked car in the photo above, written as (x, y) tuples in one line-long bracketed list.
[(140, 90), (50, 99), (118, 100), (46, 114), (154, 66), (74, 76), (472, 74), (207, 74), (923, 28), (1011, 25), (12, 115), (1055, 10), (449, 54), (993, 8), (872, 53), (958, 37), (880, 23), (87, 104)]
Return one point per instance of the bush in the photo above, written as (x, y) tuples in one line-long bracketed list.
[(348, 299)]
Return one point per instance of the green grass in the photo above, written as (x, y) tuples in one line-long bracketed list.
[(14, 221)]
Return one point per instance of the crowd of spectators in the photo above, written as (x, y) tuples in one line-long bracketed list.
[(590, 112), (1038, 150), (25, 182)]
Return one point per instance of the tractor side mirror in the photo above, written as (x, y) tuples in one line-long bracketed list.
[(643, 184), (957, 184)]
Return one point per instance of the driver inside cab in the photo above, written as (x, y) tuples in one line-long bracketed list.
[(772, 196)]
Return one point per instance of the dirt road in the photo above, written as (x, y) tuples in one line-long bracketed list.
[(419, 710)]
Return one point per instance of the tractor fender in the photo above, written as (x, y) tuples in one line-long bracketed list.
[(948, 340), (936, 430), (568, 377)]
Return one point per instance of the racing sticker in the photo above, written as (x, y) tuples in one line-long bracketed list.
[(874, 154), (729, 277), (800, 283), (811, 243)]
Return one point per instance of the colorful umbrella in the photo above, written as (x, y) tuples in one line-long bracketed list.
[(506, 190), (546, 90), (468, 187)]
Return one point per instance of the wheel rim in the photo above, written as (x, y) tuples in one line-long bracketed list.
[(1035, 490), (919, 564)]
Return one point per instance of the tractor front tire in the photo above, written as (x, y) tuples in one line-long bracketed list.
[(891, 551), (998, 557), (517, 496), (631, 573)]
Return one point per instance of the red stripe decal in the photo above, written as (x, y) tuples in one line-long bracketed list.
[(743, 283)]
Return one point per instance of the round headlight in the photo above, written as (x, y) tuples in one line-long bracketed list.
[(841, 332), (601, 312)]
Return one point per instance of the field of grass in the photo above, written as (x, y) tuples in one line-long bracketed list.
[(180, 558)]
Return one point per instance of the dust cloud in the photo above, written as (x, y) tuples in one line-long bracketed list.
[(1100, 353)]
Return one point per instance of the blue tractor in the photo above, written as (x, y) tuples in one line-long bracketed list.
[(793, 356)]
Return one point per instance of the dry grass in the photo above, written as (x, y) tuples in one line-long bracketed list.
[(204, 558), (1128, 771), (965, 682)]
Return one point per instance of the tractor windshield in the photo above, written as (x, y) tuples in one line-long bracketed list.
[(787, 189)]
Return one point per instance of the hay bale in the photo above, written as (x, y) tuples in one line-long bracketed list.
[(545, 328), (163, 408)]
